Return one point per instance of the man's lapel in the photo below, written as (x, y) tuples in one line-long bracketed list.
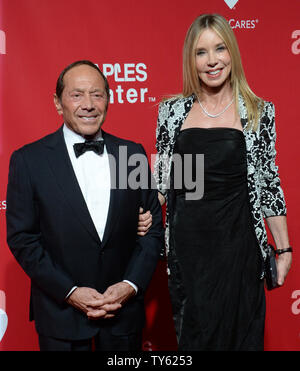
[(64, 174), (113, 211)]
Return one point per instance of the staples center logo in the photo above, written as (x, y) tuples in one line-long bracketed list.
[(3, 205), (130, 79), (231, 3), (2, 42)]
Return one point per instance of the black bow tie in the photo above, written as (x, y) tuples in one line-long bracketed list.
[(90, 145)]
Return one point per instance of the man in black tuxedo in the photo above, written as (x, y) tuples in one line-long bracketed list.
[(72, 224)]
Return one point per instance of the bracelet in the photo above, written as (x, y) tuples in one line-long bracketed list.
[(282, 251)]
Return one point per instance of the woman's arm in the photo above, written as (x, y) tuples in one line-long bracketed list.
[(279, 230), (145, 218), (161, 198), (272, 197)]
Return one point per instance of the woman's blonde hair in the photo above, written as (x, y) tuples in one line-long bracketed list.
[(191, 82)]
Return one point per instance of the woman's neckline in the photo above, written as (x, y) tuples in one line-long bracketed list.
[(212, 128)]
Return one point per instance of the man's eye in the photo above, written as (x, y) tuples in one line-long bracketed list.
[(99, 96)]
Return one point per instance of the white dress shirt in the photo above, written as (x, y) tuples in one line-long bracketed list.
[(93, 174)]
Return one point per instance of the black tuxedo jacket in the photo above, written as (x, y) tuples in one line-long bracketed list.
[(52, 236)]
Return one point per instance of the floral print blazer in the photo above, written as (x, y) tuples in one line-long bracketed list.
[(265, 193)]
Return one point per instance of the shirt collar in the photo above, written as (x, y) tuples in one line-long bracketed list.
[(71, 137)]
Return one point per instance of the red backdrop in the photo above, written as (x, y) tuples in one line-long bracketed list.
[(139, 46)]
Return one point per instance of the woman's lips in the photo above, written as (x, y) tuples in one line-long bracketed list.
[(213, 74)]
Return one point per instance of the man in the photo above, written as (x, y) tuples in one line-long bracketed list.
[(74, 230)]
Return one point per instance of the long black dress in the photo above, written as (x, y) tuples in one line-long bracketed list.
[(217, 250)]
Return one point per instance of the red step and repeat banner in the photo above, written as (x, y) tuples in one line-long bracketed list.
[(138, 45)]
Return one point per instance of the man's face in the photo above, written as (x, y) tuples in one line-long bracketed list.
[(83, 102)]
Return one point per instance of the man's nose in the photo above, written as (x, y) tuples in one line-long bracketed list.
[(87, 102)]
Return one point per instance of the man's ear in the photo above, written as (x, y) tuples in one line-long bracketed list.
[(57, 104)]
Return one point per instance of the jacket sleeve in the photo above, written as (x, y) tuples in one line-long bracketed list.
[(272, 197), (162, 163), (23, 233), (146, 253)]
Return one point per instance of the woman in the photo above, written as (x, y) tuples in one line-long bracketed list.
[(216, 245)]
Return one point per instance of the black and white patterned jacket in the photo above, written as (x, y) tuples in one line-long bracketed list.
[(265, 194)]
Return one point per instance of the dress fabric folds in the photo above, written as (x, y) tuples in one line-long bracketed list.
[(216, 247)]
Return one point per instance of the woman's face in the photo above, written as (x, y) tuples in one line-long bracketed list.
[(213, 60)]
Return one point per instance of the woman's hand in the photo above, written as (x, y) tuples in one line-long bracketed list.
[(145, 222), (278, 227), (284, 262)]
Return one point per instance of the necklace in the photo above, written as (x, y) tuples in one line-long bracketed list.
[(218, 114)]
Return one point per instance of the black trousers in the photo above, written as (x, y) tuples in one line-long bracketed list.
[(103, 341)]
